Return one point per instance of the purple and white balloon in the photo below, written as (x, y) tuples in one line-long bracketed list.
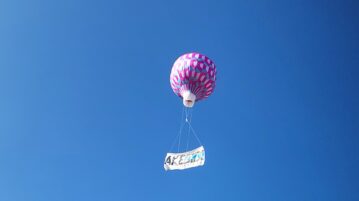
[(193, 77)]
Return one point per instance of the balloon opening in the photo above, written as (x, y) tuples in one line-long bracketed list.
[(188, 98)]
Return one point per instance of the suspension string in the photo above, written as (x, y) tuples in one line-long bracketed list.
[(178, 134), (174, 141), (180, 131), (195, 134), (188, 119)]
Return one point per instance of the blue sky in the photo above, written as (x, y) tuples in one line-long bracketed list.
[(87, 112)]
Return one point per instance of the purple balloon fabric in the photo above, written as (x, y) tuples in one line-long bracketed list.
[(194, 72)]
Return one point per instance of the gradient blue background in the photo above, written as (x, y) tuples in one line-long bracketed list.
[(87, 112)]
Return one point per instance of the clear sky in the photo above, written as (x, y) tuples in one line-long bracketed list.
[(87, 112)]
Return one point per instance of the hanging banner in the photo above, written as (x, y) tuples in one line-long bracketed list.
[(185, 160)]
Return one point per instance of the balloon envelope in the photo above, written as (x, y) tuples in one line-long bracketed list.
[(193, 74)]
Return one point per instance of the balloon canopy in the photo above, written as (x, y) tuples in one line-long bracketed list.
[(193, 77)]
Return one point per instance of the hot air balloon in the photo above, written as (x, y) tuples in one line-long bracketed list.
[(193, 78)]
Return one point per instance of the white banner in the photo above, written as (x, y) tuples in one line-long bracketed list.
[(185, 160)]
